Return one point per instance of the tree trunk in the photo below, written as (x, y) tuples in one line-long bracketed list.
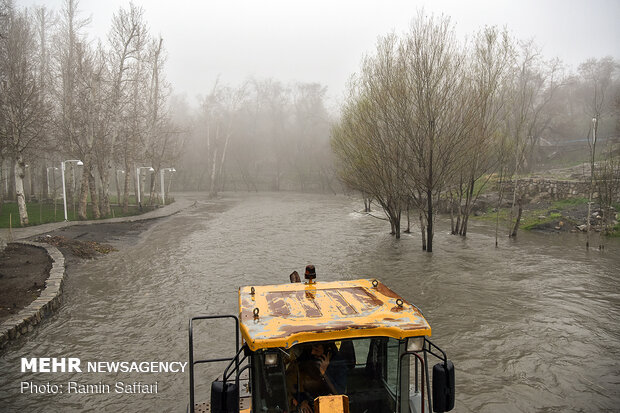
[(423, 230), (69, 184), (46, 184), (499, 204), (224, 154), (408, 230), (397, 226), (104, 173), (94, 197), (213, 189), (429, 222), (19, 189), (513, 233), (152, 186), (452, 229), (395, 219), (142, 185), (11, 172), (126, 188), (468, 206), (118, 188), (464, 225), (82, 213)]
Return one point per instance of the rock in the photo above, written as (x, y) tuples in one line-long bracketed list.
[(582, 227)]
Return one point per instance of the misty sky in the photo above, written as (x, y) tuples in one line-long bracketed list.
[(323, 41)]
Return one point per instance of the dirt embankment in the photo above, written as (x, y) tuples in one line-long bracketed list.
[(23, 271)]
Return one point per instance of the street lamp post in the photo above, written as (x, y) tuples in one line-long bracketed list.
[(118, 185), (593, 149), (64, 189), (163, 192), (150, 168)]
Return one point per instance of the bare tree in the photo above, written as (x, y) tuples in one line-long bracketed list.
[(607, 181), (127, 41), (403, 125), (45, 21), (309, 132), (163, 143), (68, 122), (532, 88), (438, 126), (369, 140), (219, 110), (487, 70), (24, 111), (93, 121), (598, 75)]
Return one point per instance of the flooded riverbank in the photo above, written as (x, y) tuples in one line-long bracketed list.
[(531, 326)]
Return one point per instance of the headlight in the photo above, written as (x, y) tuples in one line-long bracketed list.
[(271, 359), (415, 343)]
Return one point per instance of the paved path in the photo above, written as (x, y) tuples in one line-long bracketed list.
[(23, 233)]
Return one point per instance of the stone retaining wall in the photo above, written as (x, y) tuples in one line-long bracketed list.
[(48, 301), (551, 188)]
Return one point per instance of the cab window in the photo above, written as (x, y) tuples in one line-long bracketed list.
[(366, 370)]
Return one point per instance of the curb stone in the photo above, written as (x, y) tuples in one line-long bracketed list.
[(46, 304)]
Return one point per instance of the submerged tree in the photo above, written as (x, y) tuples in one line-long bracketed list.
[(487, 70), (436, 130), (367, 141), (403, 125)]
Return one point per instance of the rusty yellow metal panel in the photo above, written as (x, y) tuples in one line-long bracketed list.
[(286, 314), (331, 404)]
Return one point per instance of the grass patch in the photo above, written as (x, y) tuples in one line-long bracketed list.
[(614, 232), (44, 212), (491, 215), (532, 221)]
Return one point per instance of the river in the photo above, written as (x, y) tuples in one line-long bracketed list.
[(531, 326)]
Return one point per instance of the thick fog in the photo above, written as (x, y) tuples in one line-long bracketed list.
[(323, 41), (245, 95)]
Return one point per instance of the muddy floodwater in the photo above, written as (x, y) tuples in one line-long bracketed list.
[(532, 326)]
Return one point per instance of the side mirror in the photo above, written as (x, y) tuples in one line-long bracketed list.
[(443, 387), (224, 397)]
